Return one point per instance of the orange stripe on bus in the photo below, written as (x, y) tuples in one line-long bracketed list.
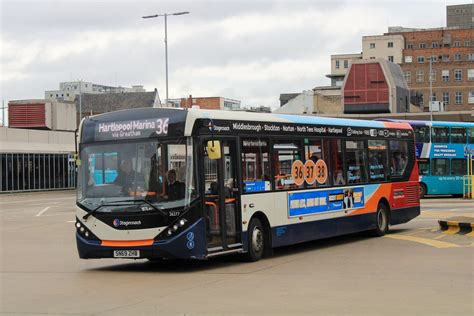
[(371, 205), (127, 243), (397, 125)]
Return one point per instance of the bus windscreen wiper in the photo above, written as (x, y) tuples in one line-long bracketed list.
[(114, 203)]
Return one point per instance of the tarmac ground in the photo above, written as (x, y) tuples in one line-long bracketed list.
[(417, 269)]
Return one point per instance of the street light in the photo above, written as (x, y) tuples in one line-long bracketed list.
[(166, 40)]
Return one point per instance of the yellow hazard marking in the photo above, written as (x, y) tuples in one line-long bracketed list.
[(471, 234), (425, 241), (452, 230), (440, 236)]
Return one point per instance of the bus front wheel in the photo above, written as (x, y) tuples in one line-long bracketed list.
[(422, 190), (382, 220), (256, 242)]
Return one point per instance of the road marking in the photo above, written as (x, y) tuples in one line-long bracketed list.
[(471, 234), (43, 211), (452, 230), (70, 221), (425, 241)]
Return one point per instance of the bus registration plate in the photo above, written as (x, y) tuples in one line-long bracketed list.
[(126, 253)]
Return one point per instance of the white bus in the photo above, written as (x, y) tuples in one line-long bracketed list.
[(172, 183)]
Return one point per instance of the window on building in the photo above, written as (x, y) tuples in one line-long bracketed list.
[(446, 98), (390, 58), (467, 43), (456, 44), (470, 98), (255, 165), (419, 76), (457, 57), (378, 160), (422, 45), (458, 167), (408, 76), (285, 153), (445, 57), (458, 135), (458, 99), (433, 96), (372, 45), (390, 44), (51, 95), (421, 59), (445, 75), (399, 157), (470, 74), (346, 64), (422, 99), (337, 64), (440, 135), (372, 57), (433, 75), (408, 59), (409, 46), (440, 167), (470, 57), (355, 157), (434, 45), (457, 74)]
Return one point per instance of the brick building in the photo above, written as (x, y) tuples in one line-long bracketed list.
[(451, 51), (210, 103)]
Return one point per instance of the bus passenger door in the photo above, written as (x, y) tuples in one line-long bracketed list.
[(222, 198)]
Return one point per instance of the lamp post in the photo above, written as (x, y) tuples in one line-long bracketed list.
[(431, 89), (166, 40)]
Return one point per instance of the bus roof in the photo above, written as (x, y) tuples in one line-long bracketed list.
[(432, 123)]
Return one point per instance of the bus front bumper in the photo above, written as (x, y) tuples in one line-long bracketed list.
[(188, 244)]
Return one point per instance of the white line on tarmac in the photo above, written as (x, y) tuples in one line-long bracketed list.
[(43, 211), (70, 221)]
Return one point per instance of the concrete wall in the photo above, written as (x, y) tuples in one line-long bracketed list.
[(16, 140)]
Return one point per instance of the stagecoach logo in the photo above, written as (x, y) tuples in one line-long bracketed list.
[(118, 223)]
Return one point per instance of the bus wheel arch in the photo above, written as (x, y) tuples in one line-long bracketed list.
[(262, 222), (423, 190), (382, 218)]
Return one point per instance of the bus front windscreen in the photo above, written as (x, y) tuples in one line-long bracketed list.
[(159, 173)]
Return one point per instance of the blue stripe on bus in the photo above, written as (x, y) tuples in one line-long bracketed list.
[(329, 121)]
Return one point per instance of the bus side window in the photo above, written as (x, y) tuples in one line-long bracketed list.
[(458, 167), (458, 135), (440, 167), (337, 166), (284, 154), (399, 157), (424, 167), (355, 162), (378, 160), (255, 165), (317, 149), (440, 135), (470, 139)]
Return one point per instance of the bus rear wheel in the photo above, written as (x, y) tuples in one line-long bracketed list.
[(256, 240), (381, 220), (422, 190)]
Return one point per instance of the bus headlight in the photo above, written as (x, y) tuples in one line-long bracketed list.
[(182, 222), (175, 227)]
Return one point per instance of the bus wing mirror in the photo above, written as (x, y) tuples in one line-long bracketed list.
[(214, 149)]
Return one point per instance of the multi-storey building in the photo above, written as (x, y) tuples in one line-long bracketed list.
[(340, 64), (388, 47), (68, 90), (461, 15), (449, 53)]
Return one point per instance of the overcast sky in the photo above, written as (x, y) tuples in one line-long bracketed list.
[(246, 50)]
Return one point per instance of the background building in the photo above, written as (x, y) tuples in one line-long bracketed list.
[(69, 90), (389, 47), (340, 64), (211, 103), (460, 15), (375, 86)]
